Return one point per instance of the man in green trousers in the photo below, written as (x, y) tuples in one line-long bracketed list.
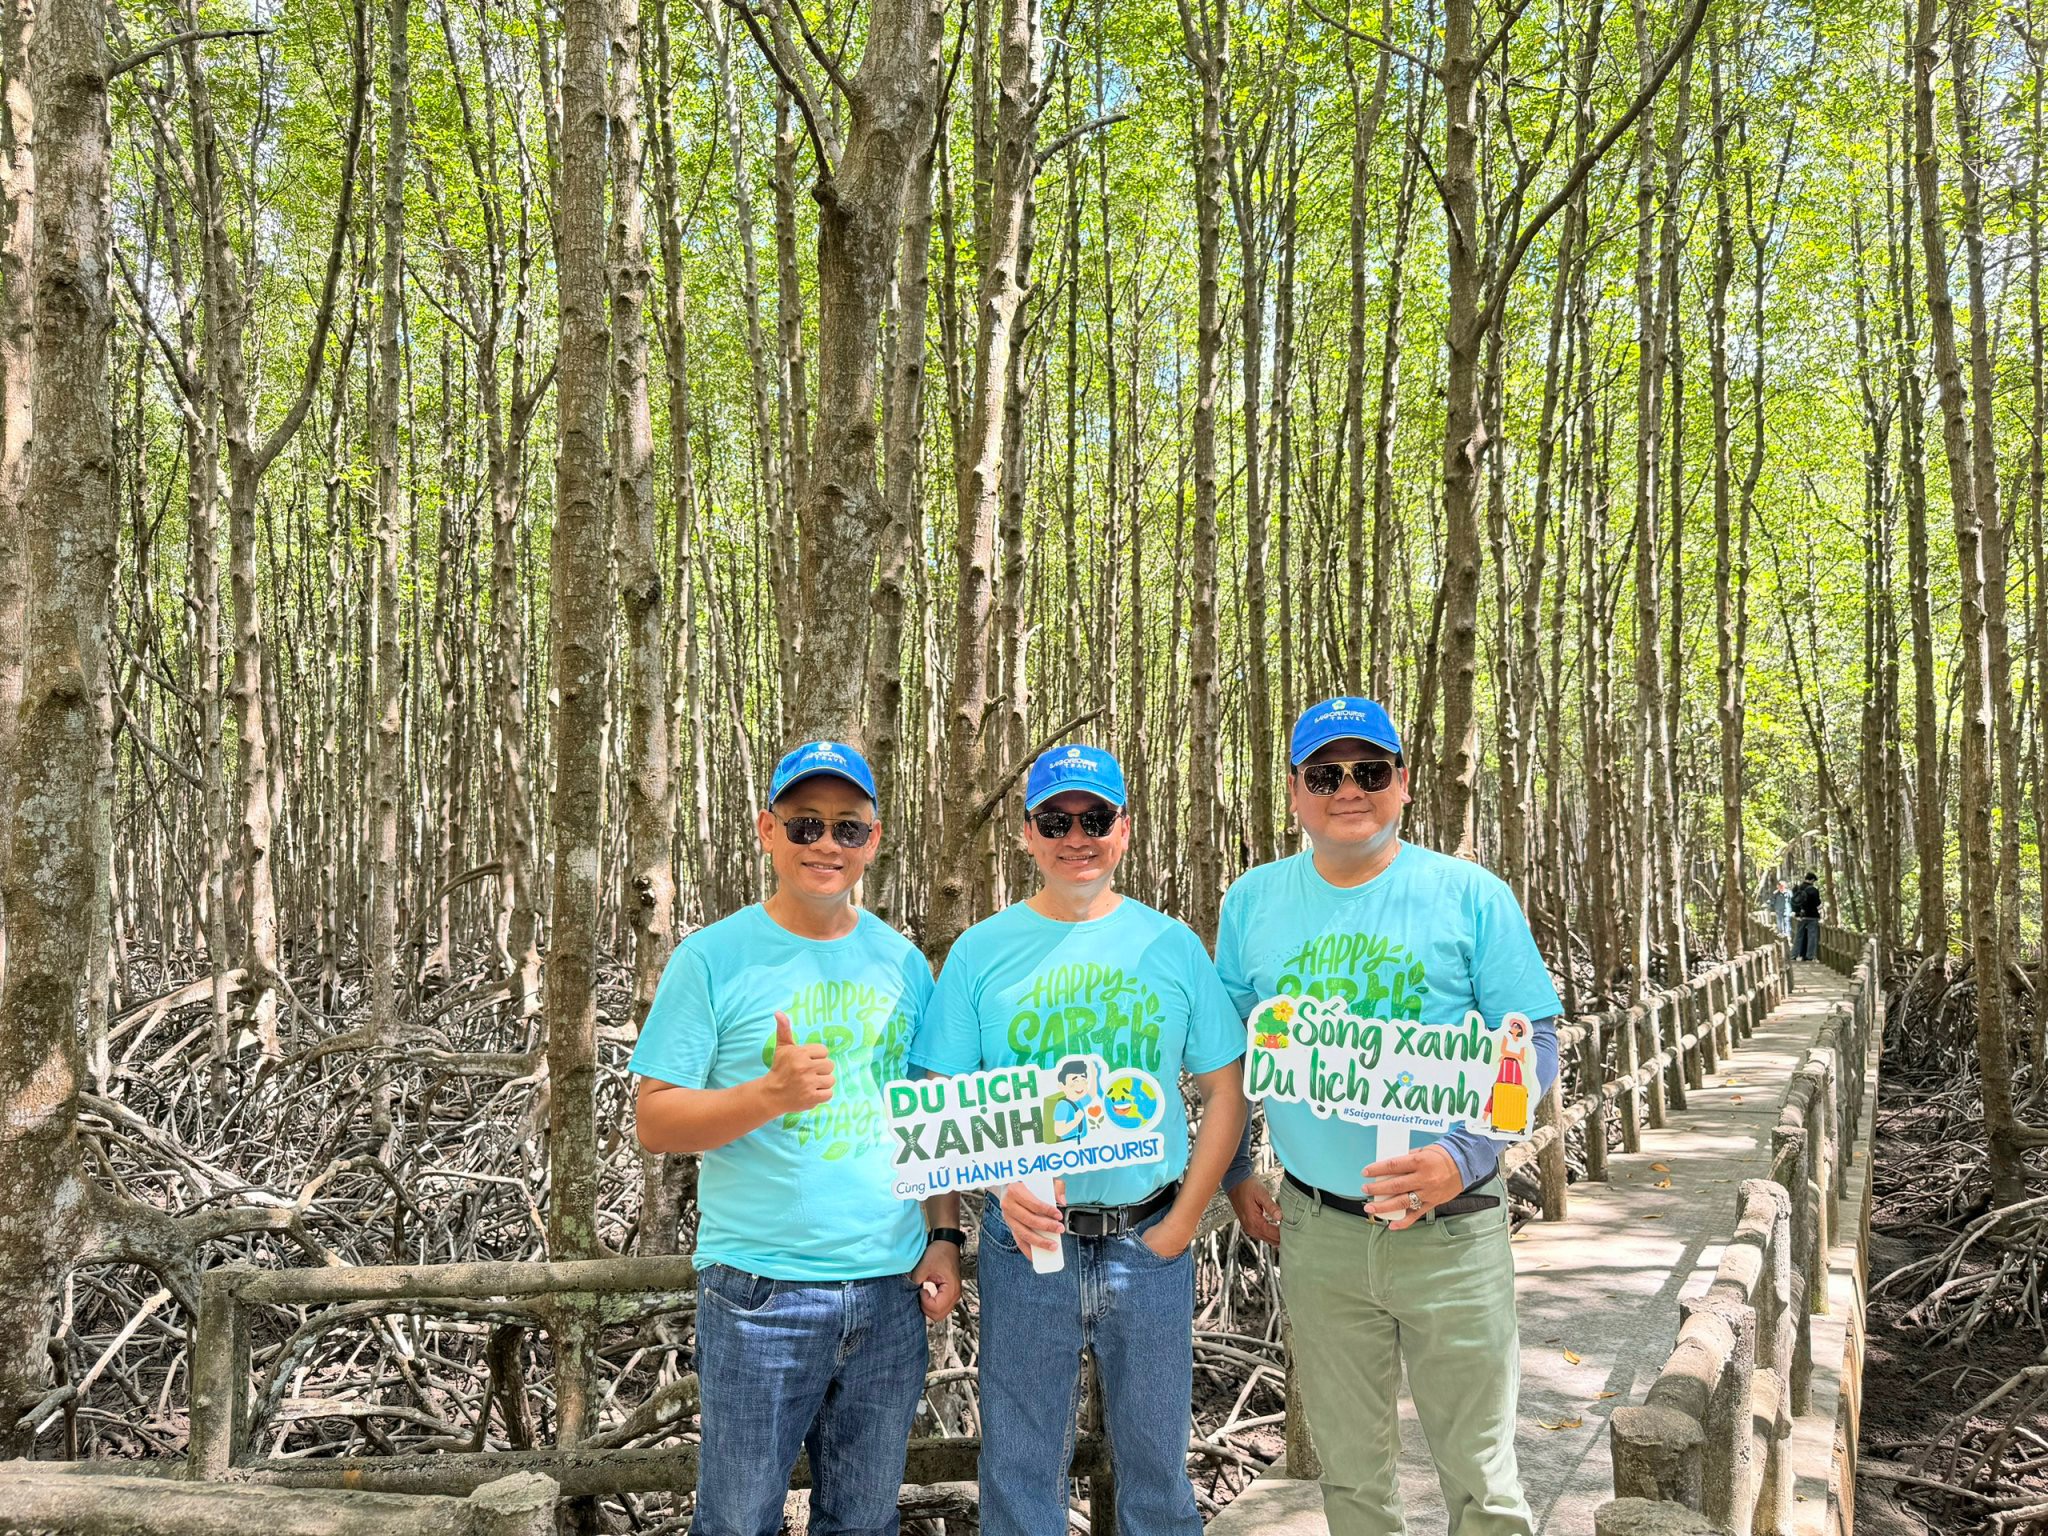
[(1393, 1242)]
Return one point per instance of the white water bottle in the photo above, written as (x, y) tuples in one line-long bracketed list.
[(1047, 1261)]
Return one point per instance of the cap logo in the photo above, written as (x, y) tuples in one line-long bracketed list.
[(1073, 752), (1339, 705)]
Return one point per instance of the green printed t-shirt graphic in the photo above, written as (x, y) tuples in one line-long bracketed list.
[(806, 1196), (1431, 938), (1134, 987)]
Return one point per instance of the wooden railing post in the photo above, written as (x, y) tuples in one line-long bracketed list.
[(220, 1373), (1593, 1085), (1628, 1064), (1651, 1517), (1552, 1174), (1674, 1069), (1713, 1016), (1658, 1453), (1728, 1462), (1778, 1337), (1691, 1017), (1826, 1141), (1653, 1049)]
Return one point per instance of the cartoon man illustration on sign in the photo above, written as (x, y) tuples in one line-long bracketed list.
[(1078, 1106), (1507, 1107)]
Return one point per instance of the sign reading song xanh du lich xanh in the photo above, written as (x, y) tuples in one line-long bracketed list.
[(1473, 1076), (1025, 1123)]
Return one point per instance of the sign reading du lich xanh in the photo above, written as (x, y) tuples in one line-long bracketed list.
[(1028, 1124), (1428, 1077)]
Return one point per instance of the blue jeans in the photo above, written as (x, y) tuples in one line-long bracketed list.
[(1137, 1312), (1806, 946), (832, 1367)]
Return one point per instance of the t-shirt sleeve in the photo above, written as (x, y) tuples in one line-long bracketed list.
[(1231, 968), (948, 1037), (914, 1004), (1508, 971), (1215, 1026), (679, 1041)]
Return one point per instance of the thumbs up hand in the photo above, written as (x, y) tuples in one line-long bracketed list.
[(800, 1076)]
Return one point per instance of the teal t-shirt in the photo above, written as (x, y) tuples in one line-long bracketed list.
[(1133, 987), (1430, 938), (806, 1196)]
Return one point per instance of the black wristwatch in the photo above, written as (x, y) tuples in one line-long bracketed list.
[(951, 1235)]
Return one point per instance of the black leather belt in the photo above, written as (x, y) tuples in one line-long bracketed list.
[(1457, 1205), (1115, 1220)]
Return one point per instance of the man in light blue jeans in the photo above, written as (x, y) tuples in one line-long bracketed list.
[(766, 1050), (835, 1368), (1078, 970), (1135, 1309)]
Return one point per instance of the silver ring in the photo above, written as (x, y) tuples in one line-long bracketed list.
[(1414, 1199)]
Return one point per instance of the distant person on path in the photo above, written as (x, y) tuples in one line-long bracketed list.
[(1393, 1244), (1781, 909), (1078, 969), (1806, 907), (766, 1048)]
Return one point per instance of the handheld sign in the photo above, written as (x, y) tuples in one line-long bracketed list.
[(982, 1130), (1315, 1051)]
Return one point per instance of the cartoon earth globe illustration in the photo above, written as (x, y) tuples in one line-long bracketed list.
[(1270, 1024), (1132, 1102)]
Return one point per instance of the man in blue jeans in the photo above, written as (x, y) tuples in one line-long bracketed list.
[(1077, 970), (766, 1049)]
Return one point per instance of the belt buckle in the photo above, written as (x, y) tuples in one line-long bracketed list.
[(1088, 1221)]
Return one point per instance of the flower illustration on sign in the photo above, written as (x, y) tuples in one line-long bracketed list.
[(1272, 1022)]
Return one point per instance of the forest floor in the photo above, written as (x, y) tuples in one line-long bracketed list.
[(431, 1150), (1962, 1327)]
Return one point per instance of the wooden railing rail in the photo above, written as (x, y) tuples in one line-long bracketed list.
[(37, 1497), (231, 1409), (1661, 1048), (1709, 1447), (1664, 1045)]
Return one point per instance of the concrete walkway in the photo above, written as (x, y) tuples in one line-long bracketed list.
[(1598, 1292)]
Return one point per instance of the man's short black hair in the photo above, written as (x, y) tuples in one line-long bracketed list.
[(1811, 875), (1073, 1066)]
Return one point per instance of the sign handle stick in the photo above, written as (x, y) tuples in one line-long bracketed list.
[(1046, 1261)]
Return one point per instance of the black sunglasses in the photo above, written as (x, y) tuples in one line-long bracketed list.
[(847, 832), (1372, 776), (1099, 822)]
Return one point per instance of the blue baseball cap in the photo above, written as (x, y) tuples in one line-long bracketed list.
[(832, 759), (1341, 720), (1059, 769)]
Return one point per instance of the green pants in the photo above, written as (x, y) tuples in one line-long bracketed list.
[(1439, 1296)]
